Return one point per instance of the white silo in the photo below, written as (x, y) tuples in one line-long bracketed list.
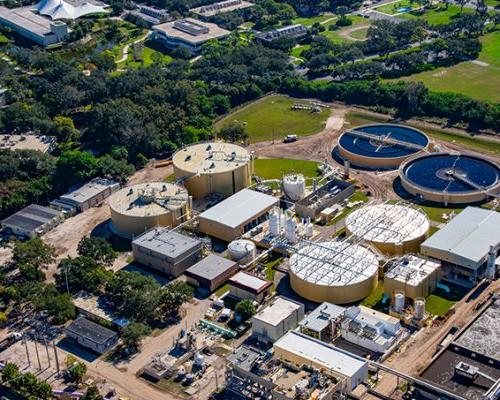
[(309, 230), (399, 302), (282, 220), (420, 308), (294, 186), (242, 250), (274, 222), (291, 229)]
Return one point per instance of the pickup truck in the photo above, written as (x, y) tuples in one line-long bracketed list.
[(290, 139)]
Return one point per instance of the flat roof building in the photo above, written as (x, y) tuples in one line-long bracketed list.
[(236, 215), (87, 195), (464, 243), (291, 31), (211, 272), (412, 275), (91, 335), (321, 321), (302, 350), (166, 251), (246, 286), (189, 33), (97, 309), (221, 7), (275, 320), (33, 220), (28, 23)]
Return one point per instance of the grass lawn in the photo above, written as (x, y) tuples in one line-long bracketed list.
[(149, 54), (393, 8), (3, 39), (357, 196), (437, 305), (272, 118), (436, 16), (435, 213), (376, 297), (297, 51), (491, 49), (342, 35), (223, 289), (433, 230), (275, 168), (273, 260), (312, 20), (356, 118)]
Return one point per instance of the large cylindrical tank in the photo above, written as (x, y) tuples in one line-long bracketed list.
[(399, 301), (242, 250), (420, 308), (215, 167), (137, 209), (274, 222), (291, 229), (294, 186)]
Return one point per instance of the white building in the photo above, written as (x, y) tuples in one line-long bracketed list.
[(292, 31), (221, 7), (275, 320), (189, 33), (69, 9), (245, 286)]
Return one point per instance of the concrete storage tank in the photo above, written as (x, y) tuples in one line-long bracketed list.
[(139, 208), (337, 272), (392, 228), (381, 145), (215, 167), (242, 250), (450, 178), (294, 186)]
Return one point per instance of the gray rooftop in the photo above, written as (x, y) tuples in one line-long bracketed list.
[(31, 217), (167, 242), (90, 330), (27, 19), (468, 235), (211, 267), (319, 319), (240, 208), (278, 311), (244, 357), (85, 192)]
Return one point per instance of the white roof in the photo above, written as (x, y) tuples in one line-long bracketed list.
[(251, 282), (387, 223), (202, 32), (241, 207), (69, 9), (321, 353), (334, 263), (278, 311), (89, 190), (411, 270), (468, 236)]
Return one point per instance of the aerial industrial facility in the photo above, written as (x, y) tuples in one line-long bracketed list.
[(138, 208)]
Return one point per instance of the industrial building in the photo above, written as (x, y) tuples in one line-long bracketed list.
[(381, 146), (42, 143), (332, 192), (91, 335), (216, 167), (302, 350), (244, 286), (236, 215), (139, 208), (413, 276), (28, 23), (221, 7), (467, 246), (88, 195), (451, 178), (276, 319), (296, 31), (211, 273), (392, 228), (152, 15), (33, 220), (97, 309), (337, 272), (166, 251), (189, 33)]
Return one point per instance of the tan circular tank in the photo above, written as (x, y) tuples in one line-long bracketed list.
[(215, 167), (336, 272), (136, 209)]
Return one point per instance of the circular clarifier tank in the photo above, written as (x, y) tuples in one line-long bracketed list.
[(451, 178), (381, 145)]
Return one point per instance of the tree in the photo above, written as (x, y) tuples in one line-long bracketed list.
[(133, 333), (119, 170), (59, 306), (81, 273), (33, 252), (245, 309), (75, 166), (92, 393), (76, 371), (98, 249), (233, 132)]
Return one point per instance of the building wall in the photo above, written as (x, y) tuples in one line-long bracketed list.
[(267, 332), (423, 289), (336, 295), (163, 264), (243, 294), (212, 284), (96, 347), (375, 162)]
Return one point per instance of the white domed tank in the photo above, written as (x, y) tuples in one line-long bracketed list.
[(242, 250), (294, 186), (399, 302), (309, 230), (291, 229), (420, 308), (274, 222)]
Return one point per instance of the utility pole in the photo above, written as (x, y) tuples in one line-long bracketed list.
[(37, 355), (27, 352), (47, 350), (57, 359)]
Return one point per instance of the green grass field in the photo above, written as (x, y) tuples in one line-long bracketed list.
[(375, 297), (435, 16), (3, 39), (356, 118), (437, 305), (272, 118), (435, 213), (312, 20), (275, 168), (148, 54), (297, 51), (360, 34), (392, 8), (342, 35), (477, 81)]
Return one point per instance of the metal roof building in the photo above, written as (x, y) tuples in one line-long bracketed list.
[(300, 350), (166, 251), (237, 214), (464, 243), (32, 220), (247, 286), (87, 195), (91, 335), (211, 272), (220, 7)]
